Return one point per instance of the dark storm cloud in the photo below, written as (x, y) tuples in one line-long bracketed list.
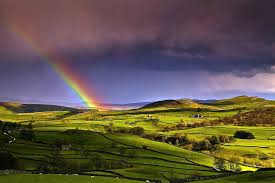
[(216, 35)]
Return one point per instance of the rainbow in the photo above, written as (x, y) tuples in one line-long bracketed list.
[(60, 64)]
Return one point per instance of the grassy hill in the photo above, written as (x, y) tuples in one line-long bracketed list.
[(257, 116), (61, 179), (103, 144), (258, 176), (181, 103), (244, 101), (240, 101), (28, 108)]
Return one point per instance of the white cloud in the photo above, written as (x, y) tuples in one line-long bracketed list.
[(260, 83)]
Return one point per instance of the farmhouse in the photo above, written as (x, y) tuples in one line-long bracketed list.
[(197, 116)]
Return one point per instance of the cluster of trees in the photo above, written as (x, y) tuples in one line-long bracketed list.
[(261, 116), (241, 134), (222, 164), (209, 143), (182, 126), (8, 126), (135, 130), (154, 121), (25, 131), (252, 160)]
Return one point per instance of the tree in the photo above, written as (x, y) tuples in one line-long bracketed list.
[(220, 164), (244, 135), (226, 139), (214, 140), (137, 131), (206, 145), (234, 167)]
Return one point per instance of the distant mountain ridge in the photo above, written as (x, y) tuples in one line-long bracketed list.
[(74, 105), (245, 101), (27, 108)]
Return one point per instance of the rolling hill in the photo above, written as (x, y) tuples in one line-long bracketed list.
[(240, 101), (28, 108), (181, 103), (103, 144)]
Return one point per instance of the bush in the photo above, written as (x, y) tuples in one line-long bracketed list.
[(144, 147), (202, 145), (214, 140), (7, 126), (137, 131), (171, 140), (226, 139), (243, 135), (27, 134)]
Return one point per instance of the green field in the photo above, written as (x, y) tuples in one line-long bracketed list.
[(61, 179), (100, 143), (250, 177)]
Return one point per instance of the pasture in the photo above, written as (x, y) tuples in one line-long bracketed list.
[(100, 143)]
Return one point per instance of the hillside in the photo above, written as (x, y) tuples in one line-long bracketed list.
[(50, 178), (8, 107), (258, 116), (244, 101), (160, 142), (258, 176), (247, 102), (181, 103)]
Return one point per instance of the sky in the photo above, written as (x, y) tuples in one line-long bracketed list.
[(138, 50)]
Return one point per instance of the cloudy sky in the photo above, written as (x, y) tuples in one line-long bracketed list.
[(139, 50)]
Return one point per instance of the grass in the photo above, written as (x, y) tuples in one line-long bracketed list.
[(157, 160), (147, 159), (264, 177), (61, 179)]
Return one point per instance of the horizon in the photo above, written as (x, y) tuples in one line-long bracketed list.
[(137, 91), (91, 52), (131, 105)]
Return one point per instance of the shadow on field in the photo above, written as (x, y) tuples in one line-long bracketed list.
[(141, 111), (28, 108)]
